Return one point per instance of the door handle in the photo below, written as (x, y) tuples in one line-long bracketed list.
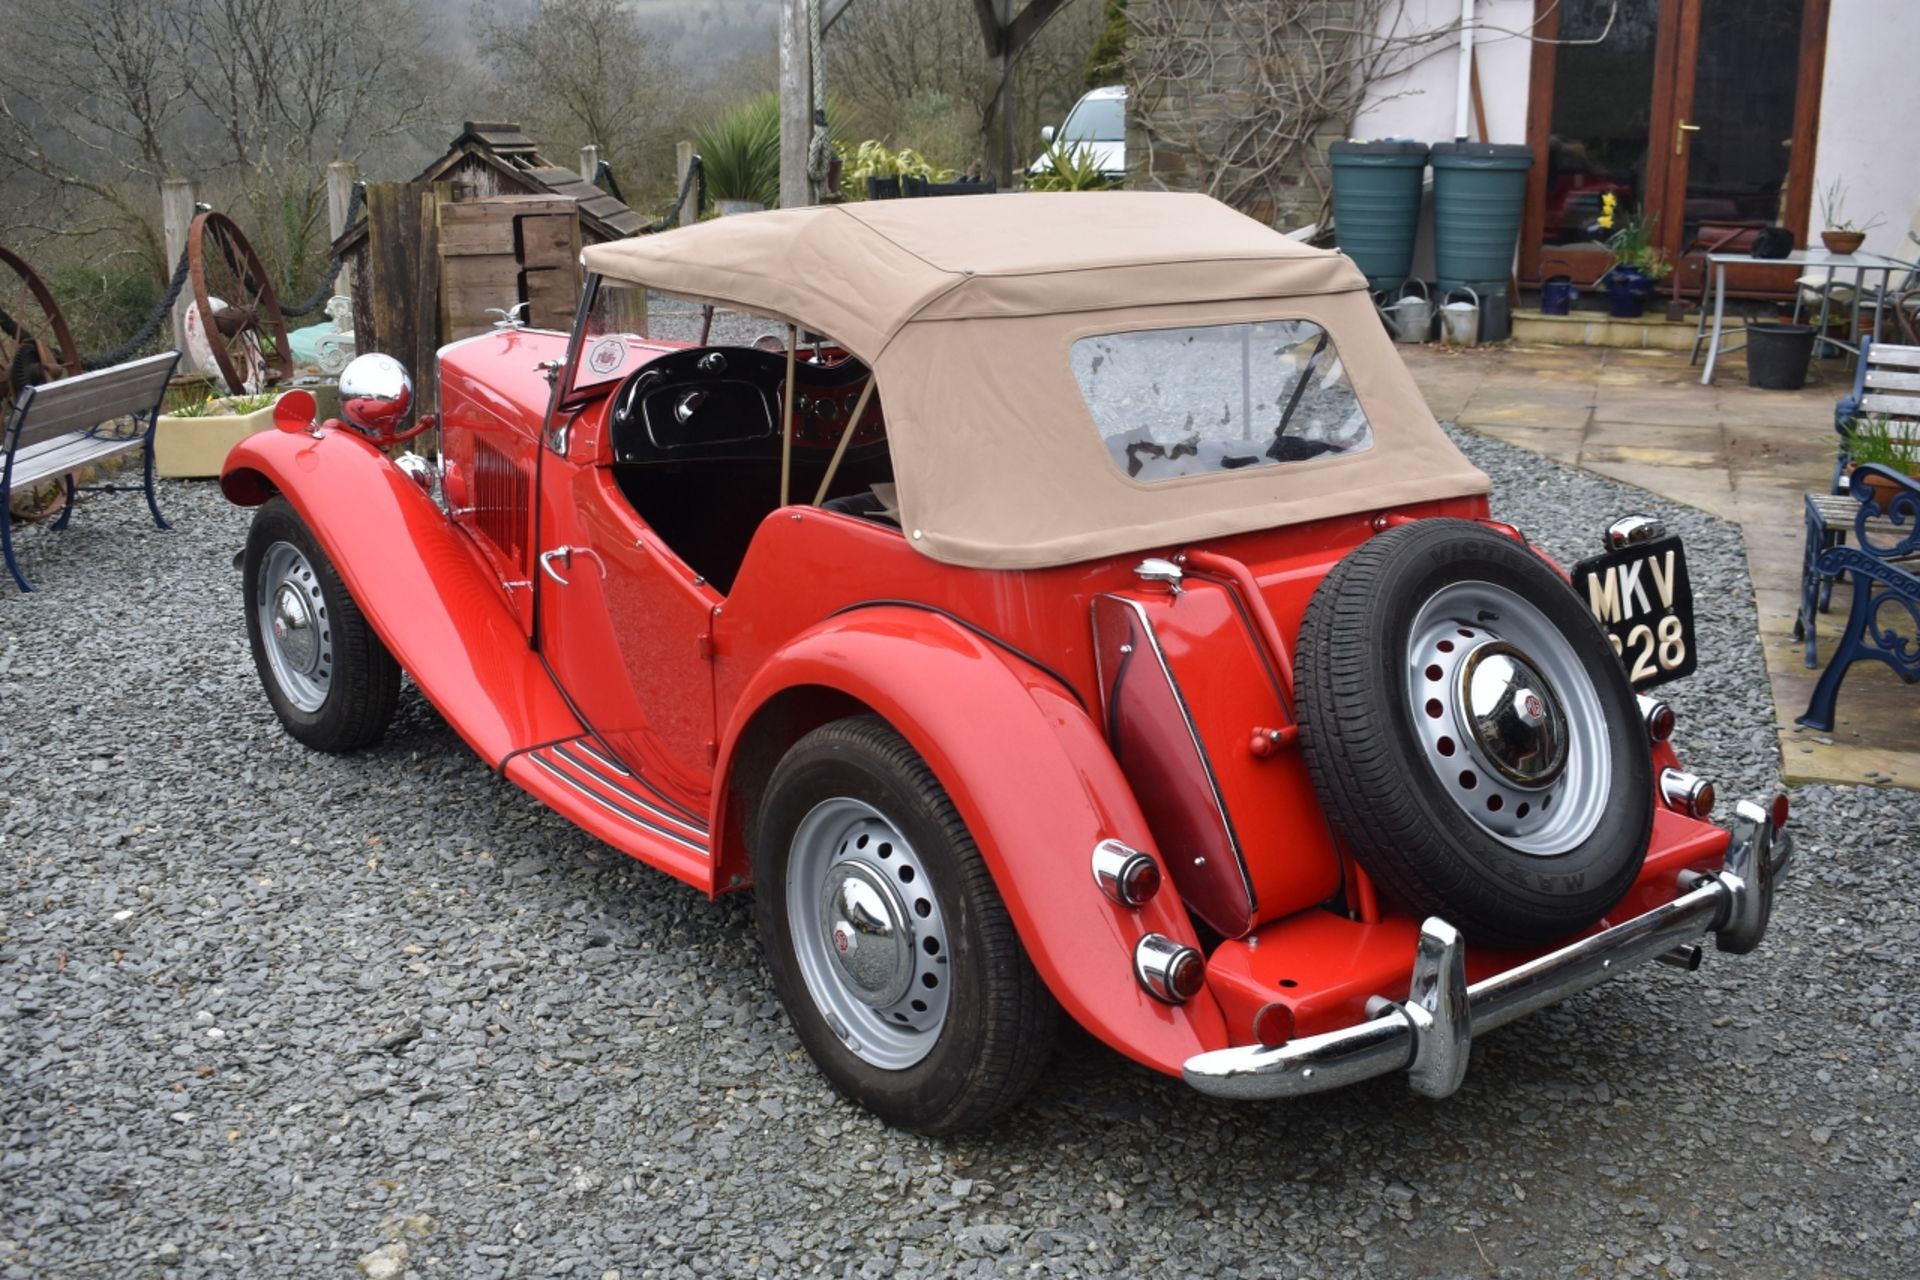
[(564, 555), (1680, 136)]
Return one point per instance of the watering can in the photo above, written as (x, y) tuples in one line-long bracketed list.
[(1409, 319), (1557, 291), (1460, 321)]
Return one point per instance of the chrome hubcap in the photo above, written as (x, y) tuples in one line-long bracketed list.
[(1508, 718), (1512, 715), (294, 629), (872, 941), (868, 933)]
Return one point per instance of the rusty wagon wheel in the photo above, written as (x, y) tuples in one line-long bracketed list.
[(35, 344), (245, 329)]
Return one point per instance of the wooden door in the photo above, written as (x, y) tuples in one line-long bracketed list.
[(1697, 113)]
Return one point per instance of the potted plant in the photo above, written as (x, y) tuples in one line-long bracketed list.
[(193, 439), (1638, 264), (740, 153), (1838, 232), (886, 175), (1874, 439)]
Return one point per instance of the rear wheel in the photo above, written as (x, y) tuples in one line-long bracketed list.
[(1471, 734), (888, 943), (330, 680)]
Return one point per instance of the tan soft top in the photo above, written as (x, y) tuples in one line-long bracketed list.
[(965, 308)]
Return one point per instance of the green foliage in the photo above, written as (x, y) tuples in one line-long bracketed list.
[(741, 152), (1107, 59), (1874, 438), (104, 306), (1069, 166)]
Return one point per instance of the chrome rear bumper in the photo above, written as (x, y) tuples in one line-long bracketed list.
[(1430, 1033)]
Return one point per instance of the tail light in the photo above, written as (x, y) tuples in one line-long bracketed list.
[(1658, 716), (1126, 875), (1688, 793), (1169, 970)]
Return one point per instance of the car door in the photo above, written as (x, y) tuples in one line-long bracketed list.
[(624, 626)]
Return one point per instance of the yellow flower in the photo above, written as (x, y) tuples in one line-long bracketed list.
[(1606, 222)]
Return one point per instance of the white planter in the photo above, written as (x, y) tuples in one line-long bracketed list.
[(197, 447), (725, 207)]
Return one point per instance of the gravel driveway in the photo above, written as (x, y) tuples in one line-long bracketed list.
[(269, 1013)]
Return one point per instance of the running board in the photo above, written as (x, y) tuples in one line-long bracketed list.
[(580, 779)]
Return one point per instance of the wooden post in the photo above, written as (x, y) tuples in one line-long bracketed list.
[(590, 162), (341, 175), (426, 299), (683, 161), (796, 100), (178, 196)]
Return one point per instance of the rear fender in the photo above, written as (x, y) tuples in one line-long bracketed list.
[(438, 611), (1029, 773)]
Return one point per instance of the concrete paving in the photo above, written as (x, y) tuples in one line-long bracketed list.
[(1745, 455)]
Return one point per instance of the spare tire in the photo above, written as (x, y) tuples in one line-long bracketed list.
[(1472, 735)]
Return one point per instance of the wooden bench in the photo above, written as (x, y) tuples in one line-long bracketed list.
[(59, 427)]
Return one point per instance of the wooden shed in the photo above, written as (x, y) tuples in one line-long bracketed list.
[(490, 223)]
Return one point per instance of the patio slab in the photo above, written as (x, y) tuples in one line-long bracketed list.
[(1642, 416)]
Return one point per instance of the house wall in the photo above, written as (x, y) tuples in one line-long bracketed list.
[(1419, 103), (1866, 132)]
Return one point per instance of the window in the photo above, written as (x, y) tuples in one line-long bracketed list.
[(1097, 120), (1189, 402)]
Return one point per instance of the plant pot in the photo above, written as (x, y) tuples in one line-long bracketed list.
[(1777, 355), (196, 447), (883, 188), (725, 207), (1628, 289), (1843, 242), (1884, 490)]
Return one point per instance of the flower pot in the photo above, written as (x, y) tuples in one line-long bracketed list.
[(1884, 490), (725, 207), (883, 188), (1843, 242), (195, 447), (1628, 289)]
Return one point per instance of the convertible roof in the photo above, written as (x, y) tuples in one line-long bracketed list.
[(966, 309), (861, 271)]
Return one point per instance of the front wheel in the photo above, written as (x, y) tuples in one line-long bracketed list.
[(330, 680), (888, 943)]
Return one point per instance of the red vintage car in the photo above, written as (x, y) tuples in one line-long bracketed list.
[(1079, 610)]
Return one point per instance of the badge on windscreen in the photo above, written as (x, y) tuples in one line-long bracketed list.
[(1644, 602)]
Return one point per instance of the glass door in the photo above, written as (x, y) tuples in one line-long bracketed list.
[(1698, 115)]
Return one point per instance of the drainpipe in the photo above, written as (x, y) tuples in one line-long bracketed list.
[(1463, 95)]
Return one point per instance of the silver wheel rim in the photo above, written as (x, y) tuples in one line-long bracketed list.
[(294, 628), (868, 933), (1508, 718)]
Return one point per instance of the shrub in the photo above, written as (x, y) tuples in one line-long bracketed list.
[(741, 152)]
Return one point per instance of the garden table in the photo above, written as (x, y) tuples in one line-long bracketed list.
[(1800, 260)]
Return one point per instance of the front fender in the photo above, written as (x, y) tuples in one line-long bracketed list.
[(439, 612), (1037, 787)]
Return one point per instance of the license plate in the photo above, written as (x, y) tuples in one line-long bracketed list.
[(1644, 603)]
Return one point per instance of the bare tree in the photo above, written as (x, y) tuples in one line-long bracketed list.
[(901, 64), (584, 71), (1237, 98), (105, 98)]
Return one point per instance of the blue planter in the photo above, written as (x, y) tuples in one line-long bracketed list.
[(1628, 289)]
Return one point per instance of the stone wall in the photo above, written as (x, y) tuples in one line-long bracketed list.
[(1208, 82)]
